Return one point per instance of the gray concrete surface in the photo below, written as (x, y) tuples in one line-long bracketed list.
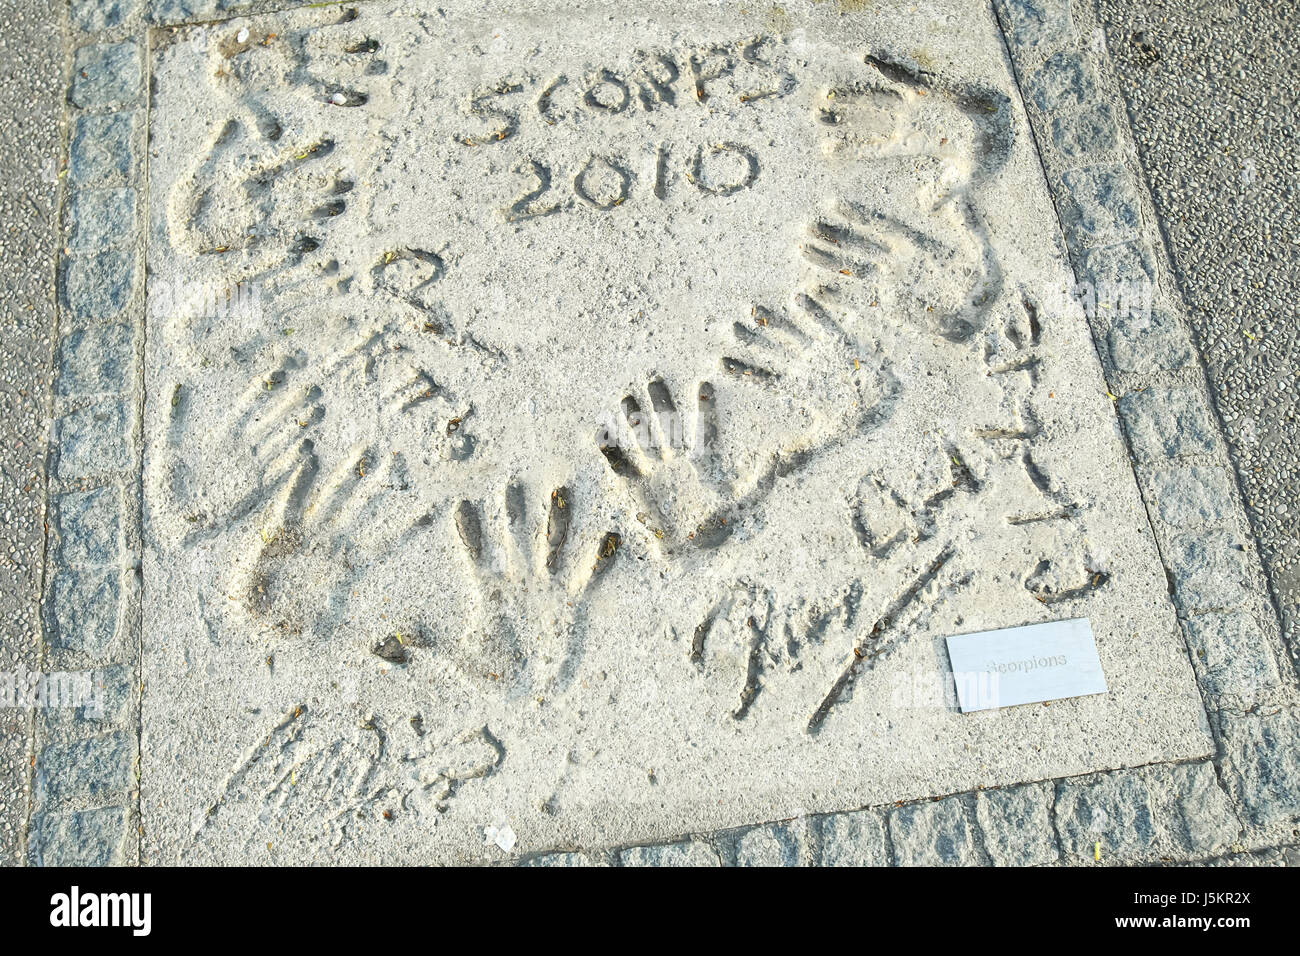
[(31, 67), (857, 405), (1211, 91)]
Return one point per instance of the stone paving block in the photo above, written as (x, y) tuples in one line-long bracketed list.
[(934, 833), (98, 284), (1039, 24), (1150, 342), (1130, 263), (561, 860), (1276, 856), (1113, 810), (101, 217), (95, 837), (1190, 495), (1168, 423), (82, 610), (85, 703), (1103, 203), (99, 149), (1086, 135), (90, 527), (1231, 655), (773, 844), (1201, 821), (97, 360), (1017, 825), (1171, 812), (90, 15), (854, 839), (106, 75), (1211, 569), (113, 699), (109, 703), (691, 853), (93, 440), (1262, 765), (1065, 81), (95, 768)]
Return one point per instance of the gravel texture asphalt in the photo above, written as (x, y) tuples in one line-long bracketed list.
[(31, 114), (1211, 91)]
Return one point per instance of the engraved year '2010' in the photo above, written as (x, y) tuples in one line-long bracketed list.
[(738, 75)]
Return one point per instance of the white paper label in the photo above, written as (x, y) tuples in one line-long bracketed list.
[(1025, 665)]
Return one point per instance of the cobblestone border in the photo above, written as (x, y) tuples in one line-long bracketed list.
[(1243, 806), (85, 772)]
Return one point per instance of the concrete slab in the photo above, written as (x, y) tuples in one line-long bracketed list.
[(582, 427)]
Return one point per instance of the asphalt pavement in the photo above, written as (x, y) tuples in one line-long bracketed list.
[(31, 117), (1211, 89)]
